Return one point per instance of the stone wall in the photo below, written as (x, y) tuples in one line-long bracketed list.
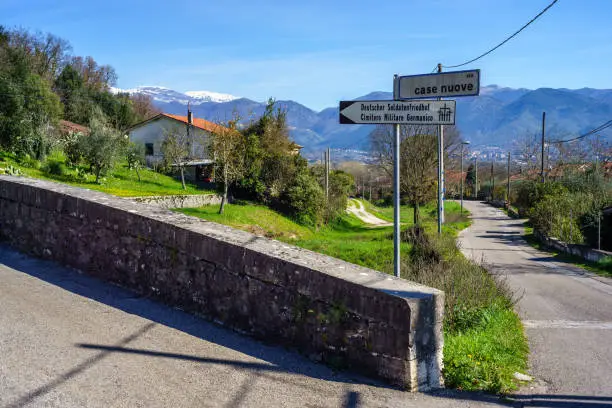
[(330, 310), (583, 251), (179, 201)]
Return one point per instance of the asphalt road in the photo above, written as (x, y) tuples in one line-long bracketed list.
[(567, 313), (67, 340)]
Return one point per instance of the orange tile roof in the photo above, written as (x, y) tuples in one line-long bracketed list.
[(68, 127), (199, 123)]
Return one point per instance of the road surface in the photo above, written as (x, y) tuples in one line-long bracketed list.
[(567, 313), (67, 340)]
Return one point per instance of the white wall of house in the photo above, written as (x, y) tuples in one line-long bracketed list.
[(156, 130)]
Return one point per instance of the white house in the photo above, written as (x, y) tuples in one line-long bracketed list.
[(153, 131)]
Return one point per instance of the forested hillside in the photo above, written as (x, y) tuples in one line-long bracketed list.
[(42, 83)]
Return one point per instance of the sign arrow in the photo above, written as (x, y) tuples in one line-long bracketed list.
[(398, 112)]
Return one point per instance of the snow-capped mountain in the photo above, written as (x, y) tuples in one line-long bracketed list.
[(499, 115), (166, 95), (207, 96)]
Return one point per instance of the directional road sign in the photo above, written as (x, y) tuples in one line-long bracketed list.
[(442, 85), (398, 112)]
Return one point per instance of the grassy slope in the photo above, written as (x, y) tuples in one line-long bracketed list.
[(120, 181), (482, 357), (348, 239)]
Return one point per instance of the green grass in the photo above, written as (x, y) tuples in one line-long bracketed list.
[(121, 181), (484, 339), (603, 267), (348, 238), (486, 356)]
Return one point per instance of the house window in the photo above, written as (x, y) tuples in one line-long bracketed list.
[(149, 149)]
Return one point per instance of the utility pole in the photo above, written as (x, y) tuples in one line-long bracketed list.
[(571, 225), (396, 189), (508, 187), (461, 188), (476, 177), (327, 160), (543, 134), (440, 171), (492, 179), (599, 230)]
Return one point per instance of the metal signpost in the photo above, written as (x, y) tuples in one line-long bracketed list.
[(439, 85), (397, 113)]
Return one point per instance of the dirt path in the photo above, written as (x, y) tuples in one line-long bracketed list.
[(356, 208)]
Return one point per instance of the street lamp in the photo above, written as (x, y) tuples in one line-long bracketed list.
[(462, 144)]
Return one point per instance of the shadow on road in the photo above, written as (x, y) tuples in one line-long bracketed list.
[(73, 281), (567, 401), (274, 359), (59, 380)]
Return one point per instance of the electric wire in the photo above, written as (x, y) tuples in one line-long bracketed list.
[(589, 133), (506, 40)]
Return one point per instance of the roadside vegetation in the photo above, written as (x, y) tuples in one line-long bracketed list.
[(484, 340), (602, 267), (569, 209)]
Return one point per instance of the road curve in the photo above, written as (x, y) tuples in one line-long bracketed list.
[(67, 340), (567, 313)]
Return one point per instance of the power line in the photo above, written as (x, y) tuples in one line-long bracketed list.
[(506, 40), (589, 133)]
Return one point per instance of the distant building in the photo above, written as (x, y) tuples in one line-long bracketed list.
[(152, 132)]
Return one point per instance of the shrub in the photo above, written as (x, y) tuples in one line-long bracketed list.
[(304, 200), (55, 164), (29, 162), (72, 148), (558, 216), (55, 168)]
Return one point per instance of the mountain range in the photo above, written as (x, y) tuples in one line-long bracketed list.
[(497, 117)]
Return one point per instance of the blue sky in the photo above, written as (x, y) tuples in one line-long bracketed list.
[(320, 52)]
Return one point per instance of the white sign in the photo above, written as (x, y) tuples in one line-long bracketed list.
[(402, 112), (447, 84)]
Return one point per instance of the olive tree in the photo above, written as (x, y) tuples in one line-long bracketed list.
[(228, 147), (102, 147), (176, 148)]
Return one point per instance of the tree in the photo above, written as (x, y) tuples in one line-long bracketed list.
[(135, 155), (340, 186), (143, 106), (418, 171), (227, 146), (28, 109), (418, 159), (176, 149), (304, 199), (271, 166), (102, 146), (470, 180)]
